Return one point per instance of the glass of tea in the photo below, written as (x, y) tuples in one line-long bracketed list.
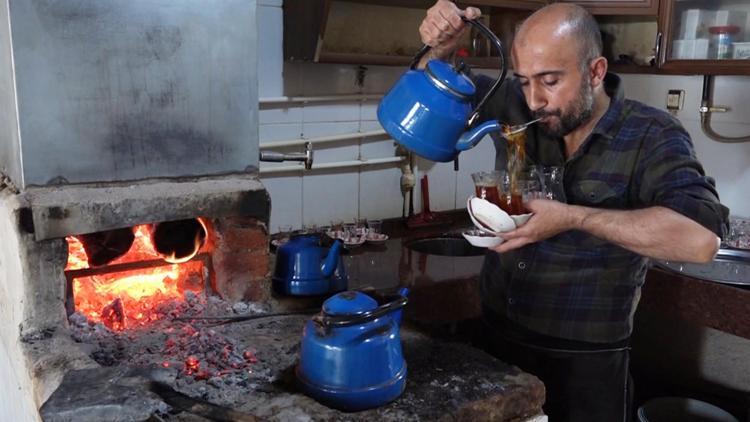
[(487, 185), (524, 188)]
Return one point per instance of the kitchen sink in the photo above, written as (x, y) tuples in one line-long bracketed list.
[(444, 245), (730, 266)]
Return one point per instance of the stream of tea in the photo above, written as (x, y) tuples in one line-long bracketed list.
[(516, 163)]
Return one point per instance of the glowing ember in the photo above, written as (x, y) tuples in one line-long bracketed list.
[(127, 298)]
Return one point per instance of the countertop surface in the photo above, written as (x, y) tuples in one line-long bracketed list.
[(443, 289)]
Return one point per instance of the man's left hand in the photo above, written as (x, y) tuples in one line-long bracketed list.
[(549, 219)]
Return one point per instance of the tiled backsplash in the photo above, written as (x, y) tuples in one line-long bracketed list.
[(321, 196)]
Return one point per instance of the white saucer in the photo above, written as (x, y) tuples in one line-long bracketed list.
[(376, 238), (481, 239)]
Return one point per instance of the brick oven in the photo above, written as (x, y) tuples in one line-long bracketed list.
[(129, 152)]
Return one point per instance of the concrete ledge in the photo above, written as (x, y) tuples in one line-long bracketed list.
[(78, 209)]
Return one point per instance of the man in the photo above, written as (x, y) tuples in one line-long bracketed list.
[(560, 293)]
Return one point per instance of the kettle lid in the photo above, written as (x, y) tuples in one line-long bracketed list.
[(446, 78), (349, 303)]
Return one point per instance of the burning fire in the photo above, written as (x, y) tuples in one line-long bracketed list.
[(127, 298)]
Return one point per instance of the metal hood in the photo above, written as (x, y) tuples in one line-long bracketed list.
[(117, 90)]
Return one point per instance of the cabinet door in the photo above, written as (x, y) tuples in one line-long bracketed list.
[(618, 7), (506, 4), (706, 36)]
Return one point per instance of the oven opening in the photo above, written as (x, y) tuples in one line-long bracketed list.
[(128, 278)]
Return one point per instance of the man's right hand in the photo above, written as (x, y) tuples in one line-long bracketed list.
[(442, 28)]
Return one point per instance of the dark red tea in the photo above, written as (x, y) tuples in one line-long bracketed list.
[(489, 193), (512, 204)]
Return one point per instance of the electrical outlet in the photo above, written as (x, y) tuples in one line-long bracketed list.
[(675, 99)]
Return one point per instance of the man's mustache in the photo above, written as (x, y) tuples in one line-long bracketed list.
[(544, 113)]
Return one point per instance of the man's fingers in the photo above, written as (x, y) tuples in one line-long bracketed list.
[(452, 22), (430, 34), (472, 13)]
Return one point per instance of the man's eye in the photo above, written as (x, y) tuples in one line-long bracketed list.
[(524, 83), (550, 82)]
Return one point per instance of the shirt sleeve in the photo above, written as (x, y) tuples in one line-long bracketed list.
[(672, 177)]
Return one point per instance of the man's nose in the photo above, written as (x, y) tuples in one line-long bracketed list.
[(537, 100)]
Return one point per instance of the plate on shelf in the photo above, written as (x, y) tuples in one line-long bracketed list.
[(354, 242), (376, 238)]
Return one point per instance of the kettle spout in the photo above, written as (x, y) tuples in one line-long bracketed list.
[(332, 259), (471, 138)]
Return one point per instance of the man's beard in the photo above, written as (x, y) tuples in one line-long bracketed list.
[(579, 112)]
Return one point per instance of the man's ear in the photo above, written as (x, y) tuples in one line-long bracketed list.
[(598, 69)]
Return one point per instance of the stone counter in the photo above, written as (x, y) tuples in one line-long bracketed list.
[(445, 381)]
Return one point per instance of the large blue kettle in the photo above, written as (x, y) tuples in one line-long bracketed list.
[(431, 111), (350, 354), (305, 268)]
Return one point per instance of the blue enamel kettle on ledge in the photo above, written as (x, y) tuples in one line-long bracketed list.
[(350, 355), (305, 268), (429, 111)]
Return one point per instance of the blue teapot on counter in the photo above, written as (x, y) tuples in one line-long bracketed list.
[(350, 356), (429, 111), (305, 268)]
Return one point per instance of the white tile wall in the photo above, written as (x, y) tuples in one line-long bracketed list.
[(319, 196)]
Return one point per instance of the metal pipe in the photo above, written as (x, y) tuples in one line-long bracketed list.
[(334, 165), (278, 157), (319, 99), (323, 139), (706, 109)]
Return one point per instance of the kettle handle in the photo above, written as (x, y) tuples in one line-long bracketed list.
[(503, 68), (328, 321)]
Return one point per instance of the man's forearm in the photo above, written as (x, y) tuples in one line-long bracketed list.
[(656, 232)]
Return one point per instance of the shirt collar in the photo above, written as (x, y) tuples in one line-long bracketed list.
[(613, 87)]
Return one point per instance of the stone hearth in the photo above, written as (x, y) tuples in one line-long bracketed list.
[(36, 346)]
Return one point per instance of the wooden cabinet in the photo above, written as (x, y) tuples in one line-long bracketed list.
[(705, 37), (386, 32), (506, 4), (619, 7)]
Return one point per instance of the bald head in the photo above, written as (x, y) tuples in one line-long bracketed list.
[(563, 22)]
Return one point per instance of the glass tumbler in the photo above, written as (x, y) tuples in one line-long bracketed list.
[(487, 185), (553, 183), (375, 226)]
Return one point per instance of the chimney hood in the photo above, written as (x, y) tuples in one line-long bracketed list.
[(112, 90)]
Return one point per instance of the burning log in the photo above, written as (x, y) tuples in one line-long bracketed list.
[(113, 315), (178, 241), (104, 247)]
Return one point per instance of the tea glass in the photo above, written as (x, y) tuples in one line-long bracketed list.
[(553, 183), (487, 185), (310, 228), (527, 187), (375, 226), (350, 231)]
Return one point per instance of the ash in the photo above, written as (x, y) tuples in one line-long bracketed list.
[(222, 364), (248, 367)]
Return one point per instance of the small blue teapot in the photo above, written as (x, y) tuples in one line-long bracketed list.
[(429, 111), (350, 355), (305, 268)]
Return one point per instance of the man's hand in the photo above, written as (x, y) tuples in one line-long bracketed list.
[(549, 219), (442, 27)]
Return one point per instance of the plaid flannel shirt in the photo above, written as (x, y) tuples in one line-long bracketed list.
[(576, 286)]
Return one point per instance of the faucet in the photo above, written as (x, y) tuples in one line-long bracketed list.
[(278, 157)]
